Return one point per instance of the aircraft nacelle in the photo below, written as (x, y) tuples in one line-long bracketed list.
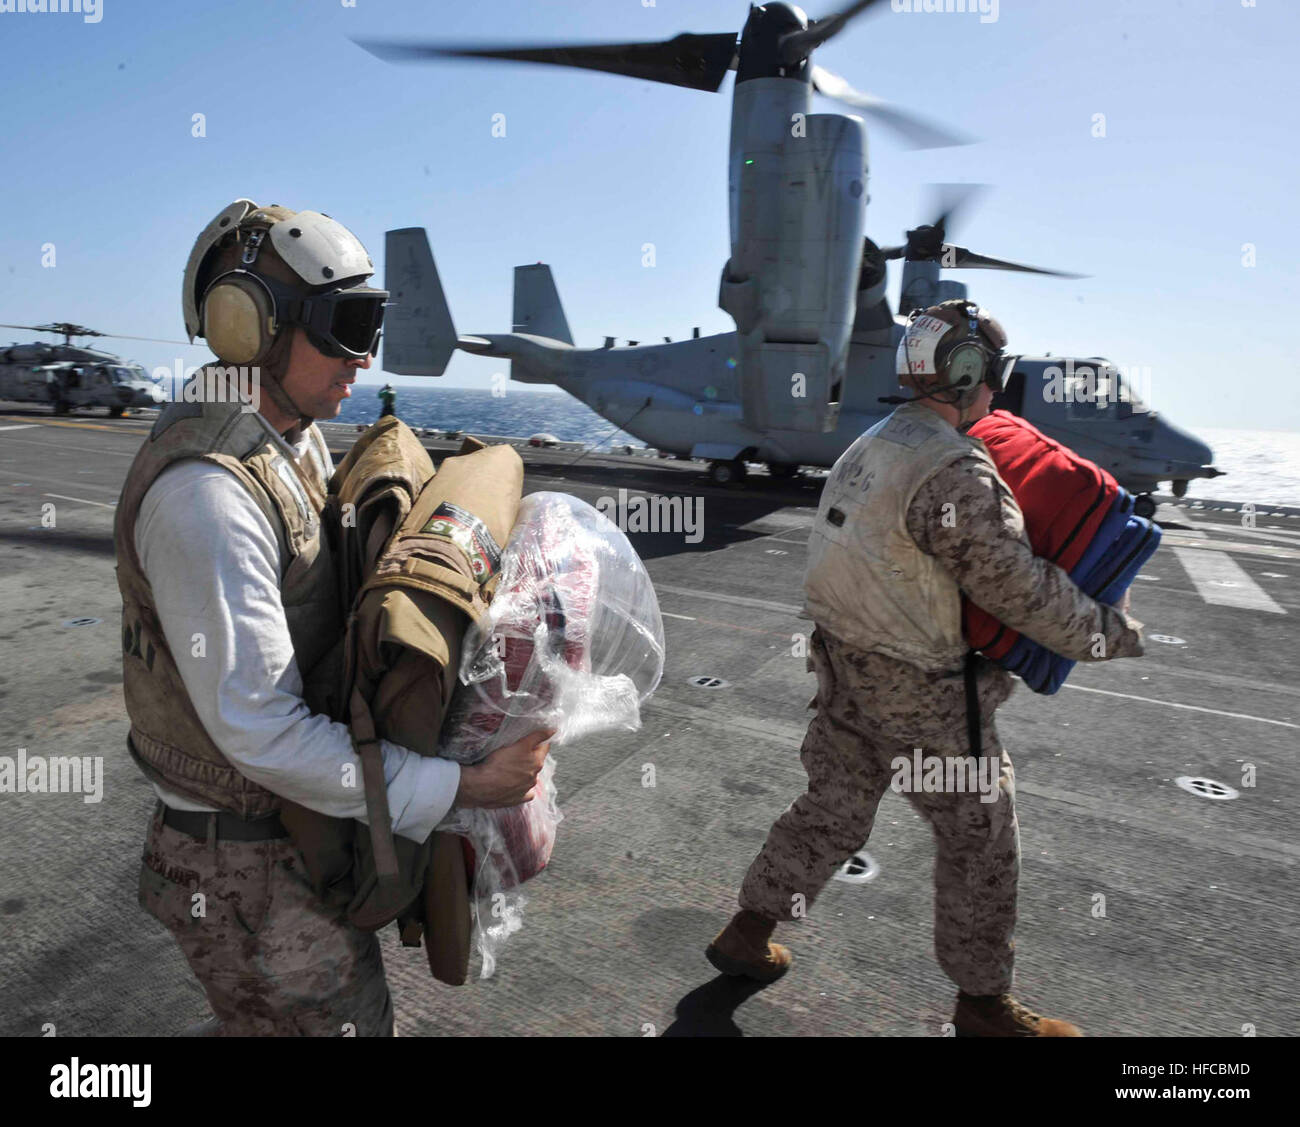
[(799, 183)]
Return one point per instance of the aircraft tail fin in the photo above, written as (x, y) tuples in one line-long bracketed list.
[(419, 336), (537, 304)]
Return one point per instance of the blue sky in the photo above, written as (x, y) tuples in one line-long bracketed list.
[(1200, 157)]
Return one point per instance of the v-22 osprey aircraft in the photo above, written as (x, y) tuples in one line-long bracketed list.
[(813, 353)]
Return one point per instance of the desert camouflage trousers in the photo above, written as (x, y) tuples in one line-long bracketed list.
[(848, 761), (271, 957)]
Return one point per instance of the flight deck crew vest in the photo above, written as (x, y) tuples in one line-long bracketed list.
[(167, 739), (867, 581)]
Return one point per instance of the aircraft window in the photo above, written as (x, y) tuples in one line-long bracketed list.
[(1088, 393), (1012, 397)]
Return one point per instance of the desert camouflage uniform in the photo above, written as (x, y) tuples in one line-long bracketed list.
[(872, 708), (273, 959)]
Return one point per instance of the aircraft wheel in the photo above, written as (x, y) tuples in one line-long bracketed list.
[(116, 412), (1145, 506), (1180, 487), (726, 473), (62, 407), (783, 471)]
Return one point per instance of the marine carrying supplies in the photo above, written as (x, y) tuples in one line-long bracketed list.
[(417, 554), (1077, 516)]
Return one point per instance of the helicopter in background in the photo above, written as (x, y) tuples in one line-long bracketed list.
[(812, 356), (67, 376)]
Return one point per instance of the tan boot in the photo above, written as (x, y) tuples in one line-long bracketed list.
[(1000, 1015), (743, 947)]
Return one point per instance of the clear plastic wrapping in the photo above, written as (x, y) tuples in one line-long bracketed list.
[(573, 641)]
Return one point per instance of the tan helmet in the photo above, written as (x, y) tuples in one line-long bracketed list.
[(949, 349), (254, 271)]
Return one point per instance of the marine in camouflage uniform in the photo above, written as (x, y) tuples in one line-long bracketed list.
[(273, 958), (874, 707)]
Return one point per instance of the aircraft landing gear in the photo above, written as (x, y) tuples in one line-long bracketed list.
[(62, 406), (727, 473), (783, 471), (116, 412), (1144, 506), (1180, 487)]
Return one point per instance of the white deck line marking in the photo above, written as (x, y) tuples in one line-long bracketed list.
[(1188, 707), (1241, 547), (20, 426), (1220, 580), (785, 608), (82, 500), (79, 450), (735, 600), (683, 617)]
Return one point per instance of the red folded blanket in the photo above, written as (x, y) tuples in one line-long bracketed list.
[(1064, 498)]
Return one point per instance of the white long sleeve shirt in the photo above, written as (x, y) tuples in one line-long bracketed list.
[(213, 562)]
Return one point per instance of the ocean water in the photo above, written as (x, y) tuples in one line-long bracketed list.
[(1262, 466), (515, 413)]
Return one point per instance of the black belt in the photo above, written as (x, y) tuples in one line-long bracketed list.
[(973, 708), (196, 823)]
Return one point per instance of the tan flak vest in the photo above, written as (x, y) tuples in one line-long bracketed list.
[(167, 739), (867, 581)]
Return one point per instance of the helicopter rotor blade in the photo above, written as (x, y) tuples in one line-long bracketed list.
[(699, 62), (155, 340), (915, 131), (93, 333), (798, 44)]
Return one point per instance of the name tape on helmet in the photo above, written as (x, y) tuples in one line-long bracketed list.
[(920, 342)]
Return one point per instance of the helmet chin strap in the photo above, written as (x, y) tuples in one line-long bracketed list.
[(275, 388), (281, 399)]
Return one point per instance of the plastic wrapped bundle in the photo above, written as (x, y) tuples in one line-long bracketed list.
[(573, 641)]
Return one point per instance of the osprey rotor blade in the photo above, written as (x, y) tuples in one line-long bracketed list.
[(699, 62), (959, 258), (917, 132), (797, 44), (949, 200)]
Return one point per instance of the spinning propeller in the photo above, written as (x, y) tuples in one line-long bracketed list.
[(926, 243), (778, 41)]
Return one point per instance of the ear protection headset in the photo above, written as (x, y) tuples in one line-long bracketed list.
[(960, 365), (239, 321), (242, 311), (966, 363)]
